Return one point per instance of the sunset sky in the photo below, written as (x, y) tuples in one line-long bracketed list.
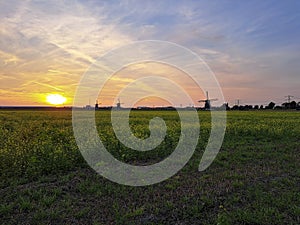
[(253, 47)]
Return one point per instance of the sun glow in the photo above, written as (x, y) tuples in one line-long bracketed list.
[(56, 99)]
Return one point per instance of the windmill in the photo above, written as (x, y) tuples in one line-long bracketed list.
[(97, 104), (119, 104), (207, 101)]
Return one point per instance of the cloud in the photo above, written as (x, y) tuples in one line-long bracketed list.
[(38, 38), (247, 44)]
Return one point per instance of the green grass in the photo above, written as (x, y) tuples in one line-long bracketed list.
[(254, 179)]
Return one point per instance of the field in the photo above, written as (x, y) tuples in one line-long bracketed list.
[(255, 178)]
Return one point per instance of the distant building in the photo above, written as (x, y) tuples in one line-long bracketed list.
[(88, 107)]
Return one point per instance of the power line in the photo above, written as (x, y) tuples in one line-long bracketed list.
[(237, 102), (289, 97)]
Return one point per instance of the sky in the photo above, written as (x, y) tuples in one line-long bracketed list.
[(252, 47)]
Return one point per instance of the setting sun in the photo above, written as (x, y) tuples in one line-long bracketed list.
[(56, 99)]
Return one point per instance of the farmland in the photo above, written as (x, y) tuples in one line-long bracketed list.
[(254, 179)]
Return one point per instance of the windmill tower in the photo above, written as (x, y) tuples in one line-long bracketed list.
[(207, 101), (97, 104), (119, 104)]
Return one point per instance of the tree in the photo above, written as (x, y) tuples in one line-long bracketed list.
[(293, 105), (271, 105), (235, 107)]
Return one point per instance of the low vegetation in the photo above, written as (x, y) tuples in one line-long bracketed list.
[(254, 179)]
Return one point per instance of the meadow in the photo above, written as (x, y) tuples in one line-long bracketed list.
[(255, 178)]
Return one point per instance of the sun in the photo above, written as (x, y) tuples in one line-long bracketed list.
[(56, 99)]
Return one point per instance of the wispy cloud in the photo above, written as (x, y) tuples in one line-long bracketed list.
[(48, 85), (47, 45)]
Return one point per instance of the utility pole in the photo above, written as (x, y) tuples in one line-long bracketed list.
[(289, 98), (238, 102)]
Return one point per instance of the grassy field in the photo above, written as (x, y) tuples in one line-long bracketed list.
[(255, 178)]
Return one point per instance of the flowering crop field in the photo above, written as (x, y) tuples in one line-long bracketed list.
[(253, 180)]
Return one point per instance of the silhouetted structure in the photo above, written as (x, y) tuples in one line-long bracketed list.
[(286, 105), (119, 104), (235, 107), (289, 97), (225, 106), (207, 101), (290, 105), (271, 105)]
